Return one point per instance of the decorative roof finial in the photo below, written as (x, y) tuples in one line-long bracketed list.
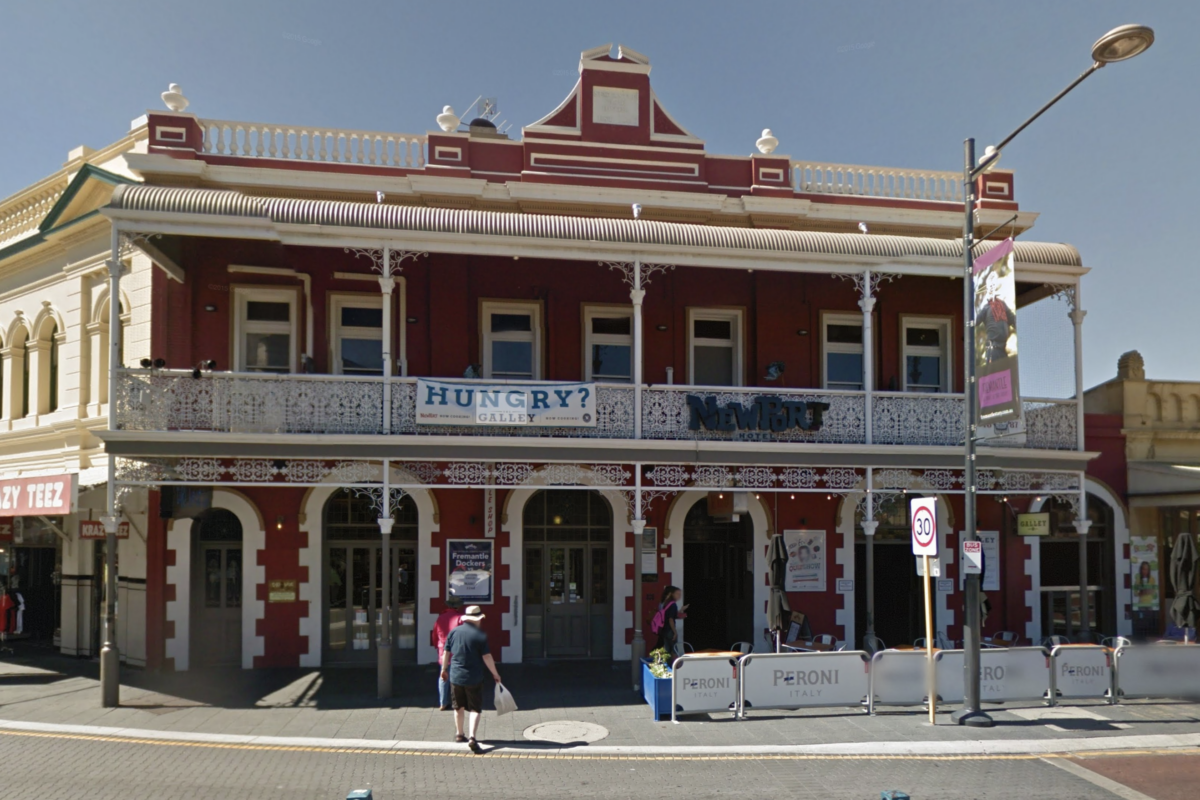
[(174, 98), (767, 142), (448, 120)]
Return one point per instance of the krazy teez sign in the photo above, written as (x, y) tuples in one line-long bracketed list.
[(555, 405), (31, 497), (93, 529)]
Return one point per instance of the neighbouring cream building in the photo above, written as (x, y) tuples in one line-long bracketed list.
[(1149, 434), (54, 366)]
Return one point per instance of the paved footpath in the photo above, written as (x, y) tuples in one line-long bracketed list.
[(319, 733)]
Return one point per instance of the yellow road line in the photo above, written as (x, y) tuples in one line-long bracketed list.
[(595, 756)]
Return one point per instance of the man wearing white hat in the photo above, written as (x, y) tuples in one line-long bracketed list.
[(465, 656)]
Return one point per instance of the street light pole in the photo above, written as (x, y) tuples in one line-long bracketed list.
[(970, 713), (1119, 44)]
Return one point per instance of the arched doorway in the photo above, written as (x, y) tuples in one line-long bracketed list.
[(568, 575), (899, 594), (217, 589), (718, 583), (1059, 566), (353, 564)]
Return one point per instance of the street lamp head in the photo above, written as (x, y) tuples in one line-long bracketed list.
[(1122, 43)]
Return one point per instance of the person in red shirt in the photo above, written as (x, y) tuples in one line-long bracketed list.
[(447, 621)]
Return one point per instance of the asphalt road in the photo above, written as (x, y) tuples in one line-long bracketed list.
[(52, 765)]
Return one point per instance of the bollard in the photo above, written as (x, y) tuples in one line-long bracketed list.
[(365, 794)]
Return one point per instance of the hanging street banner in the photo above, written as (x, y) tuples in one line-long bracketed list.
[(552, 405), (996, 335)]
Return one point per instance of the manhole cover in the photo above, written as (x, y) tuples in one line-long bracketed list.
[(565, 732)]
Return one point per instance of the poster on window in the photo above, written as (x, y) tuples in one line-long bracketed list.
[(991, 561), (470, 570), (806, 561), (554, 405), (996, 335), (1143, 562)]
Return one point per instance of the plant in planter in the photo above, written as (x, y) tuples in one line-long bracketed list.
[(659, 667), (656, 683)]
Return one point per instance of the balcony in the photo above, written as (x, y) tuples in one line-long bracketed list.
[(334, 404)]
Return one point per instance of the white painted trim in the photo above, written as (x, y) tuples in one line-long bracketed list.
[(486, 337), (339, 300), (540, 125), (1033, 595), (179, 539), (312, 556), (760, 543), (1120, 538), (736, 316), (945, 351), (590, 312), (692, 170), (254, 541), (839, 318), (514, 557), (242, 295)]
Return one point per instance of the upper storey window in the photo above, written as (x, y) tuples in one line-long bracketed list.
[(265, 329), (926, 354), (842, 351), (512, 340), (357, 339), (608, 344), (714, 347)]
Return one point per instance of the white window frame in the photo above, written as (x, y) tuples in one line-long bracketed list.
[(832, 318), (945, 352), (590, 339), (338, 301), (731, 315), (486, 337), (242, 296)]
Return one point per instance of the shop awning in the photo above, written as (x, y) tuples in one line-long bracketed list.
[(1156, 483)]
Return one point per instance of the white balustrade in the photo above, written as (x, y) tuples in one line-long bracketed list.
[(169, 400), (310, 143), (21, 214), (814, 177), (917, 419), (1050, 424), (666, 414)]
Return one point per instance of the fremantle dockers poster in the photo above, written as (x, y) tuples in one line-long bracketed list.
[(996, 335)]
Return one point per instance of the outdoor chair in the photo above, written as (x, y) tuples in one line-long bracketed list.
[(687, 648), (1002, 639), (1053, 641), (873, 644), (825, 638), (742, 647), (1113, 642)]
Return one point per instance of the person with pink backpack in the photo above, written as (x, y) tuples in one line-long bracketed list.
[(663, 623)]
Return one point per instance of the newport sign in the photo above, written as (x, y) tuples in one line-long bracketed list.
[(555, 405), (765, 414)]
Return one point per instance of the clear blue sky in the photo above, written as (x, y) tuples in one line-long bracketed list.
[(1112, 169)]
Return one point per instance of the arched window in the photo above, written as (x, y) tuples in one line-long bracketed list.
[(98, 336), (22, 410), (52, 400)]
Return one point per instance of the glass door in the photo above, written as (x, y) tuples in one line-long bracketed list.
[(354, 600), (567, 631)]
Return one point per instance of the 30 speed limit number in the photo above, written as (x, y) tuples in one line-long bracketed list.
[(923, 513)]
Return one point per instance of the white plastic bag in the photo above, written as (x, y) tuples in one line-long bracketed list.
[(504, 700)]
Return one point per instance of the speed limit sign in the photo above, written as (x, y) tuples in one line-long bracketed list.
[(923, 513)]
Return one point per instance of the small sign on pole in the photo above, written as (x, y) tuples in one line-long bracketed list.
[(972, 562), (923, 513)]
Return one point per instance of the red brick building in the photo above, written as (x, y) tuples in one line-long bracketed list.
[(707, 346)]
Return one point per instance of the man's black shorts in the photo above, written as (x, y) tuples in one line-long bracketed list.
[(467, 698)]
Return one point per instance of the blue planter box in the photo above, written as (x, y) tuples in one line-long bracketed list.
[(657, 692)]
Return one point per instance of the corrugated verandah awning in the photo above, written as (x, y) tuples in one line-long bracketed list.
[(234, 205)]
